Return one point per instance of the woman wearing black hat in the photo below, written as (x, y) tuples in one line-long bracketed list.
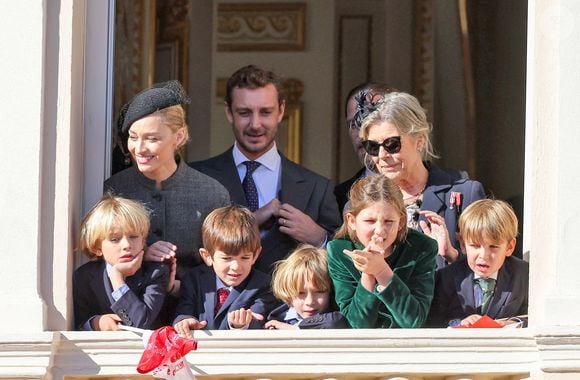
[(178, 196)]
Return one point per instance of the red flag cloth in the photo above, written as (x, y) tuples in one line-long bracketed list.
[(485, 322), (165, 346)]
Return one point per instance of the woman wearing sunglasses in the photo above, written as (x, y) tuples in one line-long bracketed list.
[(395, 134)]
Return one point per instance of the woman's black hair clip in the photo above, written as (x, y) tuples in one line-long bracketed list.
[(367, 101)]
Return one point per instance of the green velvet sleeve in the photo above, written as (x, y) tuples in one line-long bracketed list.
[(404, 302)]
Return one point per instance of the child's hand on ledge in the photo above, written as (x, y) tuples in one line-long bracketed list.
[(184, 327), (241, 318), (470, 320), (277, 325), (106, 322)]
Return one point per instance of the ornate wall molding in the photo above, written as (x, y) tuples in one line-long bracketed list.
[(173, 39), (424, 70), (260, 26), (134, 49)]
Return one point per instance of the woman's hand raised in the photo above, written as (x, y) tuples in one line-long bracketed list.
[(436, 229), (160, 251)]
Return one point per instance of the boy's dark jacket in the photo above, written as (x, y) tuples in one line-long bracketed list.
[(454, 298), (139, 307), (329, 320), (198, 298)]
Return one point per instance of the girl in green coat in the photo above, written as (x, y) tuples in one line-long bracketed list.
[(383, 273)]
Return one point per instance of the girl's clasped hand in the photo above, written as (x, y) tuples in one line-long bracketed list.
[(371, 260)]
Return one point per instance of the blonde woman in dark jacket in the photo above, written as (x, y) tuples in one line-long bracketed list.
[(178, 196)]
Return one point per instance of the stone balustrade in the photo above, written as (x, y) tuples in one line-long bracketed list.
[(316, 354)]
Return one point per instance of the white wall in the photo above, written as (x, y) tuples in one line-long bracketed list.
[(21, 157)]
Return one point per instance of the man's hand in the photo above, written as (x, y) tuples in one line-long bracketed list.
[(241, 318), (159, 251), (266, 214), (300, 226), (106, 322), (184, 327)]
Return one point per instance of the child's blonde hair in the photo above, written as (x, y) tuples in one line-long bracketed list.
[(112, 212), (305, 263), (369, 190), (231, 229), (489, 218)]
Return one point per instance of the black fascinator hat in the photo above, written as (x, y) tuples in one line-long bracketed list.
[(367, 102), (159, 96)]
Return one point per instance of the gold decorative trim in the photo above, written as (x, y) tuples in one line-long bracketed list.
[(469, 88), (261, 26), (173, 36), (424, 55), (134, 50), (293, 89)]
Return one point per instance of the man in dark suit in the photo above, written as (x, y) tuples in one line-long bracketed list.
[(292, 204), (354, 118)]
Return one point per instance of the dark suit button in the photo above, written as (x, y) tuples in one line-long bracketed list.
[(158, 232), (157, 196)]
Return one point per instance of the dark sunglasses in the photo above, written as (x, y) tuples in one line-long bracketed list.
[(392, 145)]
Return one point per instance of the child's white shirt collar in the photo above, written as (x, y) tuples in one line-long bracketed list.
[(292, 314), (493, 275)]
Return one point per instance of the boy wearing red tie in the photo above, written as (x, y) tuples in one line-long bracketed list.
[(227, 293)]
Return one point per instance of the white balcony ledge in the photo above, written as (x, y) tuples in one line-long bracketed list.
[(343, 354)]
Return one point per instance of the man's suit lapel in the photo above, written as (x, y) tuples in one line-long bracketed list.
[(225, 169), (295, 190)]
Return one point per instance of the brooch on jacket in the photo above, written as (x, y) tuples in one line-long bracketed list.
[(455, 200)]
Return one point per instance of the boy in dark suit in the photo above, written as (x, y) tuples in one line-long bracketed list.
[(228, 293), (488, 280), (302, 282), (117, 286)]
